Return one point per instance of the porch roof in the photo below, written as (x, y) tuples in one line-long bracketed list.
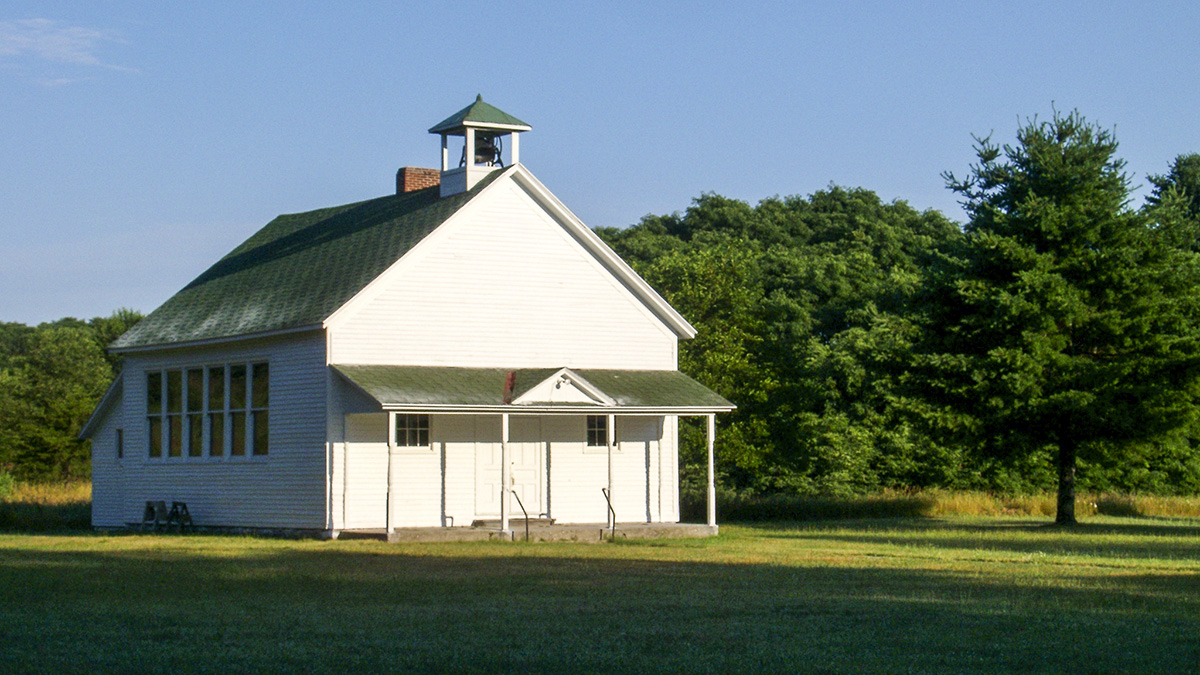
[(484, 389)]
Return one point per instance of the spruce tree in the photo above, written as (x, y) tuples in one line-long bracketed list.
[(1065, 328)]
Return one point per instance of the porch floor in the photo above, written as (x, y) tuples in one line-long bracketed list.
[(538, 531)]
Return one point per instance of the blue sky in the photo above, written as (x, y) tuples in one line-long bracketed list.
[(139, 142)]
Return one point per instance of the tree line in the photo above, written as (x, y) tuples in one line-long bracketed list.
[(51, 378), (1052, 341)]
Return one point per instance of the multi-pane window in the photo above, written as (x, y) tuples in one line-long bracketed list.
[(597, 430), (213, 411), (412, 431)]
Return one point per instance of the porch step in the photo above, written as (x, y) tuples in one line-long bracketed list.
[(495, 523)]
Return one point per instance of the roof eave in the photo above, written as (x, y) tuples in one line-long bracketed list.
[(582, 409), (449, 129), (214, 341)]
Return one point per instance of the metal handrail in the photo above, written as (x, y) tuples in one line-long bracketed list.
[(514, 492), (612, 528)]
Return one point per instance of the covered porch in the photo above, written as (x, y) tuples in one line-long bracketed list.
[(469, 453)]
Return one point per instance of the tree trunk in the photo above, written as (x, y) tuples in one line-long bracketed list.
[(1066, 484)]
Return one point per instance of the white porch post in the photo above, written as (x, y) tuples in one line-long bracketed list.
[(712, 487), (391, 440), (505, 471), (611, 518)]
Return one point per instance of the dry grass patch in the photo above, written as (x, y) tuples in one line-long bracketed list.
[(47, 506)]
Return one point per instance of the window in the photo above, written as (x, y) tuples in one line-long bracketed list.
[(120, 443), (213, 411), (597, 431), (412, 431)]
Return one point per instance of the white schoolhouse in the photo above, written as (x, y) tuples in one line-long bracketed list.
[(423, 359)]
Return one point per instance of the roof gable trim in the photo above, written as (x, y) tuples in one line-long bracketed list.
[(564, 386), (606, 255)]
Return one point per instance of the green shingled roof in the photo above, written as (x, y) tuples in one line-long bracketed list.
[(483, 113), (421, 385), (298, 270)]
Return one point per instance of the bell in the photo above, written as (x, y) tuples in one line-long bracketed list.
[(487, 150)]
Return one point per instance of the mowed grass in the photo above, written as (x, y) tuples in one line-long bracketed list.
[(963, 595)]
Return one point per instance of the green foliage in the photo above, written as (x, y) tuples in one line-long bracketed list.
[(1063, 325), (51, 378), (871, 346), (106, 329), (800, 308), (1181, 182)]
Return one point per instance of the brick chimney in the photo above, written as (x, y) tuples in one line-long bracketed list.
[(412, 178)]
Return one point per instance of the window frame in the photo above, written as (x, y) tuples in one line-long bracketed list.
[(589, 429), (203, 414), (423, 423)]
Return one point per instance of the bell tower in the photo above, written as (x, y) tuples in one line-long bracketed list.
[(483, 128)]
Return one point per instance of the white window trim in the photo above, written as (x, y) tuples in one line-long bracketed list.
[(601, 449), (205, 421), (398, 449)]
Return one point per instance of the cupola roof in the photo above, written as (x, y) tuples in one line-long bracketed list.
[(478, 114)]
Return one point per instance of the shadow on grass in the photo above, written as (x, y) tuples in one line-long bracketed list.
[(220, 603), (32, 516)]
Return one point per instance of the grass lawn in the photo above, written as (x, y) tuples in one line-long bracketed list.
[(980, 595)]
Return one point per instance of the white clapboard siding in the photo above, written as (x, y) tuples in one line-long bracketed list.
[(458, 436), (416, 488), (577, 473), (502, 284), (365, 462), (285, 489), (107, 472)]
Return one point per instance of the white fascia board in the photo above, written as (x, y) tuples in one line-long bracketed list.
[(606, 255), (497, 125), (381, 283), (111, 395)]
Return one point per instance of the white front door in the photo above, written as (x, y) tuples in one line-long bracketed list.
[(526, 456)]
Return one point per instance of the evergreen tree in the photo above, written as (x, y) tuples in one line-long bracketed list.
[(1063, 327), (1183, 181)]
